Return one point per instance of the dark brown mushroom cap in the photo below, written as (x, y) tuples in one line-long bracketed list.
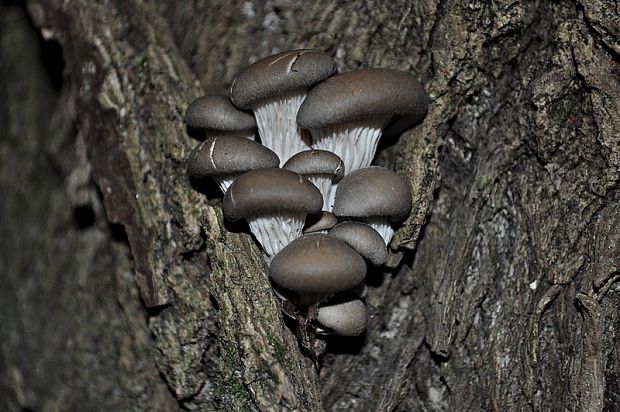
[(315, 162), (317, 264), (216, 112), (280, 73), (348, 318), (363, 238), (362, 94), (225, 155), (267, 191), (323, 220), (373, 191)]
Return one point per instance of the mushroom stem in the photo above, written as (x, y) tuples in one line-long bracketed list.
[(382, 225), (324, 184), (225, 180), (277, 124), (355, 142), (274, 232), (331, 197)]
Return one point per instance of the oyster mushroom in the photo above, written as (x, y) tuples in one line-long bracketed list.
[(320, 222), (274, 88), (344, 318), (376, 195), (314, 267), (274, 202), (363, 238), (215, 114), (225, 158), (321, 167), (347, 112)]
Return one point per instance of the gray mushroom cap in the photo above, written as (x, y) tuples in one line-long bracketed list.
[(317, 264), (216, 112), (280, 73), (323, 220), (348, 318), (265, 191), (362, 94), (364, 239), (226, 155), (371, 192), (316, 162)]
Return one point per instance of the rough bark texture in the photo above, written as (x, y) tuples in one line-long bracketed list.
[(122, 289)]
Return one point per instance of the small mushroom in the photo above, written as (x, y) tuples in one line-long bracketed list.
[(347, 112), (345, 318), (376, 195), (320, 222), (215, 114), (363, 238), (274, 202), (274, 88), (321, 167), (224, 158), (315, 267)]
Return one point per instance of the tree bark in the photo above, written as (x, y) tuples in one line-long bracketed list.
[(123, 288)]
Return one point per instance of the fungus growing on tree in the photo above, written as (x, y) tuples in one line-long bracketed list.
[(317, 266), (320, 222), (344, 318), (275, 203), (225, 158), (321, 167), (347, 112), (363, 238), (274, 88), (376, 195), (296, 103), (216, 115)]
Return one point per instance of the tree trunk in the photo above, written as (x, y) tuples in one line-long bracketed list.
[(122, 288)]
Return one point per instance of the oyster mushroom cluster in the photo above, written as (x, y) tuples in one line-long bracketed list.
[(311, 198)]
